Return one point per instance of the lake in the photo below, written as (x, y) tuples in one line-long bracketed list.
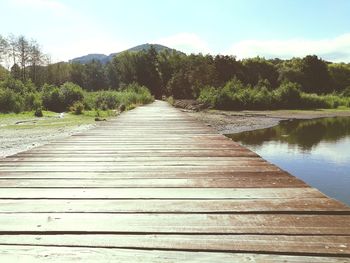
[(316, 151)]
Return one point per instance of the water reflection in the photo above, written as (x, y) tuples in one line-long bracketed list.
[(317, 151), (302, 133)]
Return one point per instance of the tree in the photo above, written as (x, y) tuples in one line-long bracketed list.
[(291, 71), (3, 48), (147, 73), (259, 68), (112, 76), (94, 76), (77, 74), (226, 68), (16, 71), (23, 51), (125, 63), (35, 59), (316, 77), (58, 73), (340, 76)]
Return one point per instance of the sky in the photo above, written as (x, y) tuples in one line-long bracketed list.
[(244, 28)]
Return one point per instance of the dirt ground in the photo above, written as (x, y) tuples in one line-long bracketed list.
[(19, 134)]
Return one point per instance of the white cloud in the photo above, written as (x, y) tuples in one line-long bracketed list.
[(186, 42), (334, 49)]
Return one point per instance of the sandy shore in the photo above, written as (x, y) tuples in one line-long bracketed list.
[(227, 122), (16, 136)]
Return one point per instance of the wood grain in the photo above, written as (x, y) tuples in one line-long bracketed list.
[(154, 185)]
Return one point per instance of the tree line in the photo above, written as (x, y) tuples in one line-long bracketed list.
[(173, 73)]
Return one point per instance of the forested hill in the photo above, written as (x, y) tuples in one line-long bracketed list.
[(105, 59)]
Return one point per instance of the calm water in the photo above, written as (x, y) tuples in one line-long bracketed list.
[(316, 151)]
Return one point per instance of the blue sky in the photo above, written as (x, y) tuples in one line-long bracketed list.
[(270, 28)]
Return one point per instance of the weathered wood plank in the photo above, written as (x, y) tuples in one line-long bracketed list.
[(177, 223), (139, 168), (161, 193), (72, 254), (321, 245), (260, 176), (157, 153), (300, 205), (155, 170), (147, 183)]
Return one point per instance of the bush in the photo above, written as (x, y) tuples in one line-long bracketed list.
[(38, 112), (77, 108), (108, 99), (10, 101), (52, 99), (288, 96), (208, 95), (70, 93), (235, 96), (62, 98)]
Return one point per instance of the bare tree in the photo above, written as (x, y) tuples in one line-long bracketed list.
[(23, 51), (36, 58), (3, 48), (12, 41)]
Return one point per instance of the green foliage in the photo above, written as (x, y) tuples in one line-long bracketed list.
[(10, 101), (77, 108), (287, 96), (170, 100), (236, 96), (61, 98), (340, 75), (316, 78), (109, 99), (221, 81), (38, 112)]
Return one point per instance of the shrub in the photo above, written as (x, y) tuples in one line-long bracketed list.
[(70, 93), (288, 95), (77, 108), (170, 100), (10, 101), (52, 99), (38, 112), (61, 99), (208, 95), (108, 99)]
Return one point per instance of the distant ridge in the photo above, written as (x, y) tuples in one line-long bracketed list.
[(106, 58)]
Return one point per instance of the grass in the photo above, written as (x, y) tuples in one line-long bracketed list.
[(50, 119)]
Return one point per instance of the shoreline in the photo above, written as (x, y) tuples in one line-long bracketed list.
[(229, 122), (19, 140)]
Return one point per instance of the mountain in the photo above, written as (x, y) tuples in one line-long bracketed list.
[(106, 58)]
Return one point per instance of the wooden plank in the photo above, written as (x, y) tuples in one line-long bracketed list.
[(320, 245), (193, 163), (261, 176), (160, 193), (300, 205), (120, 159), (174, 223), (161, 183), (147, 183), (72, 254), (140, 168), (158, 153)]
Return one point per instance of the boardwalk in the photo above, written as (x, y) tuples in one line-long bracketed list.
[(155, 185)]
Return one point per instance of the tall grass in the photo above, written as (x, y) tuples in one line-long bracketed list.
[(235, 96), (16, 97), (130, 96)]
